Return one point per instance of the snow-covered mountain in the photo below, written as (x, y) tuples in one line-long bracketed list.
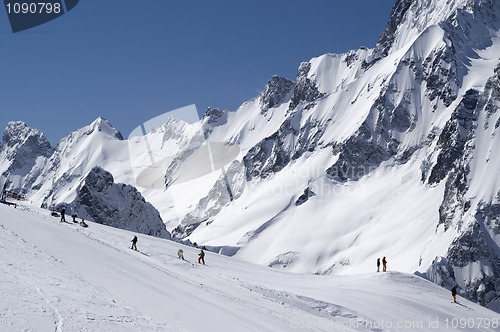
[(67, 175), (390, 151)]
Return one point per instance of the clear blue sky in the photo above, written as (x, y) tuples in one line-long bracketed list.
[(131, 60)]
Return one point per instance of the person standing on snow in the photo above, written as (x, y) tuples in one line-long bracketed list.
[(384, 264), (201, 257), (134, 243), (454, 294), (180, 254), (63, 211), (378, 264)]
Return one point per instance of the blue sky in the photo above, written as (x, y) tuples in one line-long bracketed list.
[(131, 60)]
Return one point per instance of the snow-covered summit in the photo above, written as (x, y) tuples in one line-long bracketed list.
[(104, 126), (410, 19), (17, 132)]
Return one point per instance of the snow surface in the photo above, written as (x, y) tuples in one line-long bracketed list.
[(62, 277)]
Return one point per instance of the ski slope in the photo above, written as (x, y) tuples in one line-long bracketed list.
[(62, 277)]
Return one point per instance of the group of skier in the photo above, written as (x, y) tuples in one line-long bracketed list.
[(74, 216), (384, 264), (201, 255), (180, 252)]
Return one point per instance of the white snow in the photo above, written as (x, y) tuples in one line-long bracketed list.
[(61, 277)]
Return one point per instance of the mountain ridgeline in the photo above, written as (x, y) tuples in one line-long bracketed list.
[(389, 151)]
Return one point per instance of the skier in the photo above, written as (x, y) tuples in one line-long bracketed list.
[(63, 211), (384, 264), (134, 243), (180, 254), (201, 257), (454, 294), (4, 192), (378, 264)]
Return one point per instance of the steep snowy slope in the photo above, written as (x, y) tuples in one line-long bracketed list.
[(95, 145), (63, 277)]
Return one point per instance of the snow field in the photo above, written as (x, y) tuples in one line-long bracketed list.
[(62, 277)]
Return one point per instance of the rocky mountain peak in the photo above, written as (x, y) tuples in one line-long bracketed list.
[(117, 205), (275, 91), (17, 132), (99, 179), (410, 18), (103, 125), (389, 35), (215, 116)]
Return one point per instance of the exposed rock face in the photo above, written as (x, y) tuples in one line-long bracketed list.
[(28, 141), (275, 92), (275, 152), (473, 264), (22, 151), (368, 148), (116, 205), (308, 193), (215, 117), (272, 154), (389, 35), (305, 89), (457, 131)]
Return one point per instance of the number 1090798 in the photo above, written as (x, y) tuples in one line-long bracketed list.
[(33, 8)]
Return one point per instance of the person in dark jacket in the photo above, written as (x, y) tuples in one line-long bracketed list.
[(384, 264), (454, 294), (201, 257), (134, 243), (63, 211), (378, 264)]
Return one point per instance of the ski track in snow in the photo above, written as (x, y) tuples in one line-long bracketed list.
[(219, 290), (40, 295), (220, 293), (59, 322)]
